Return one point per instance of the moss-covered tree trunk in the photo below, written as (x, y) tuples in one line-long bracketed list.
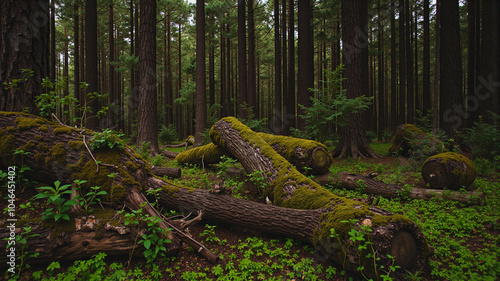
[(409, 137), (449, 170), (391, 234), (303, 154)]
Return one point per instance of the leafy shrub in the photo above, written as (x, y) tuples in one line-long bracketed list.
[(55, 197), (168, 134), (371, 135), (330, 106), (484, 138), (107, 138)]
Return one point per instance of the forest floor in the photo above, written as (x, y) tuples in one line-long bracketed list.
[(465, 239)]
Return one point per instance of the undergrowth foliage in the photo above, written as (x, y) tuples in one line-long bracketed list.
[(330, 107)]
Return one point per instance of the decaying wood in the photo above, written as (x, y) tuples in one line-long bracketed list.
[(392, 234), (303, 154), (166, 171), (57, 152), (369, 185), (409, 137), (89, 236), (303, 208), (169, 154), (449, 170)]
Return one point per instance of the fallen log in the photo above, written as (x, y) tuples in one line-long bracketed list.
[(305, 155), (58, 152), (166, 171), (369, 185), (169, 154), (80, 238), (392, 234), (449, 170), (409, 137)]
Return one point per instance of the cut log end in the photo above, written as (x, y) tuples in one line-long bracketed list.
[(404, 250), (436, 175)]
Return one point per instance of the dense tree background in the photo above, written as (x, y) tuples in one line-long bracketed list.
[(261, 60)]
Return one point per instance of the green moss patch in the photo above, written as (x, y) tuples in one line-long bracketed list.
[(26, 123), (63, 130)]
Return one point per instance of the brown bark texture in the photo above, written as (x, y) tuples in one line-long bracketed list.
[(24, 44), (368, 184), (58, 152), (449, 170)]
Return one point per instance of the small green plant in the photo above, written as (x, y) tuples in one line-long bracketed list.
[(158, 160), (359, 237), (106, 139), (371, 135), (154, 239), (259, 181), (91, 198), (168, 134), (209, 233), (55, 196), (144, 150), (22, 252)]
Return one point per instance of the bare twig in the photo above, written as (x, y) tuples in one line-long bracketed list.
[(95, 160)]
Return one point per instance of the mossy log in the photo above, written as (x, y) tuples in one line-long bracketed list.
[(303, 154), (166, 171), (80, 238), (408, 137), (391, 234), (58, 152), (369, 185), (449, 170)]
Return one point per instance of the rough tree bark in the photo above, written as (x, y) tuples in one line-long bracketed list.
[(301, 153), (368, 184), (449, 170), (59, 152)]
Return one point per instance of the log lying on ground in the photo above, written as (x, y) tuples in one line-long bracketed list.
[(301, 153), (449, 170), (202, 155), (58, 152), (392, 234), (369, 185), (166, 171), (80, 238), (409, 137)]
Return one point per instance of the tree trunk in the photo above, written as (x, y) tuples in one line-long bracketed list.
[(201, 96), (300, 152), (24, 44), (76, 54), (354, 142), (394, 79), (242, 60), (426, 78), (166, 171), (277, 119), (449, 170), (450, 106), (91, 69), (147, 128), (402, 63), (290, 99), (252, 78), (305, 59)]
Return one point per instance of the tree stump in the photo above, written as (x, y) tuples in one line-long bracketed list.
[(449, 170)]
